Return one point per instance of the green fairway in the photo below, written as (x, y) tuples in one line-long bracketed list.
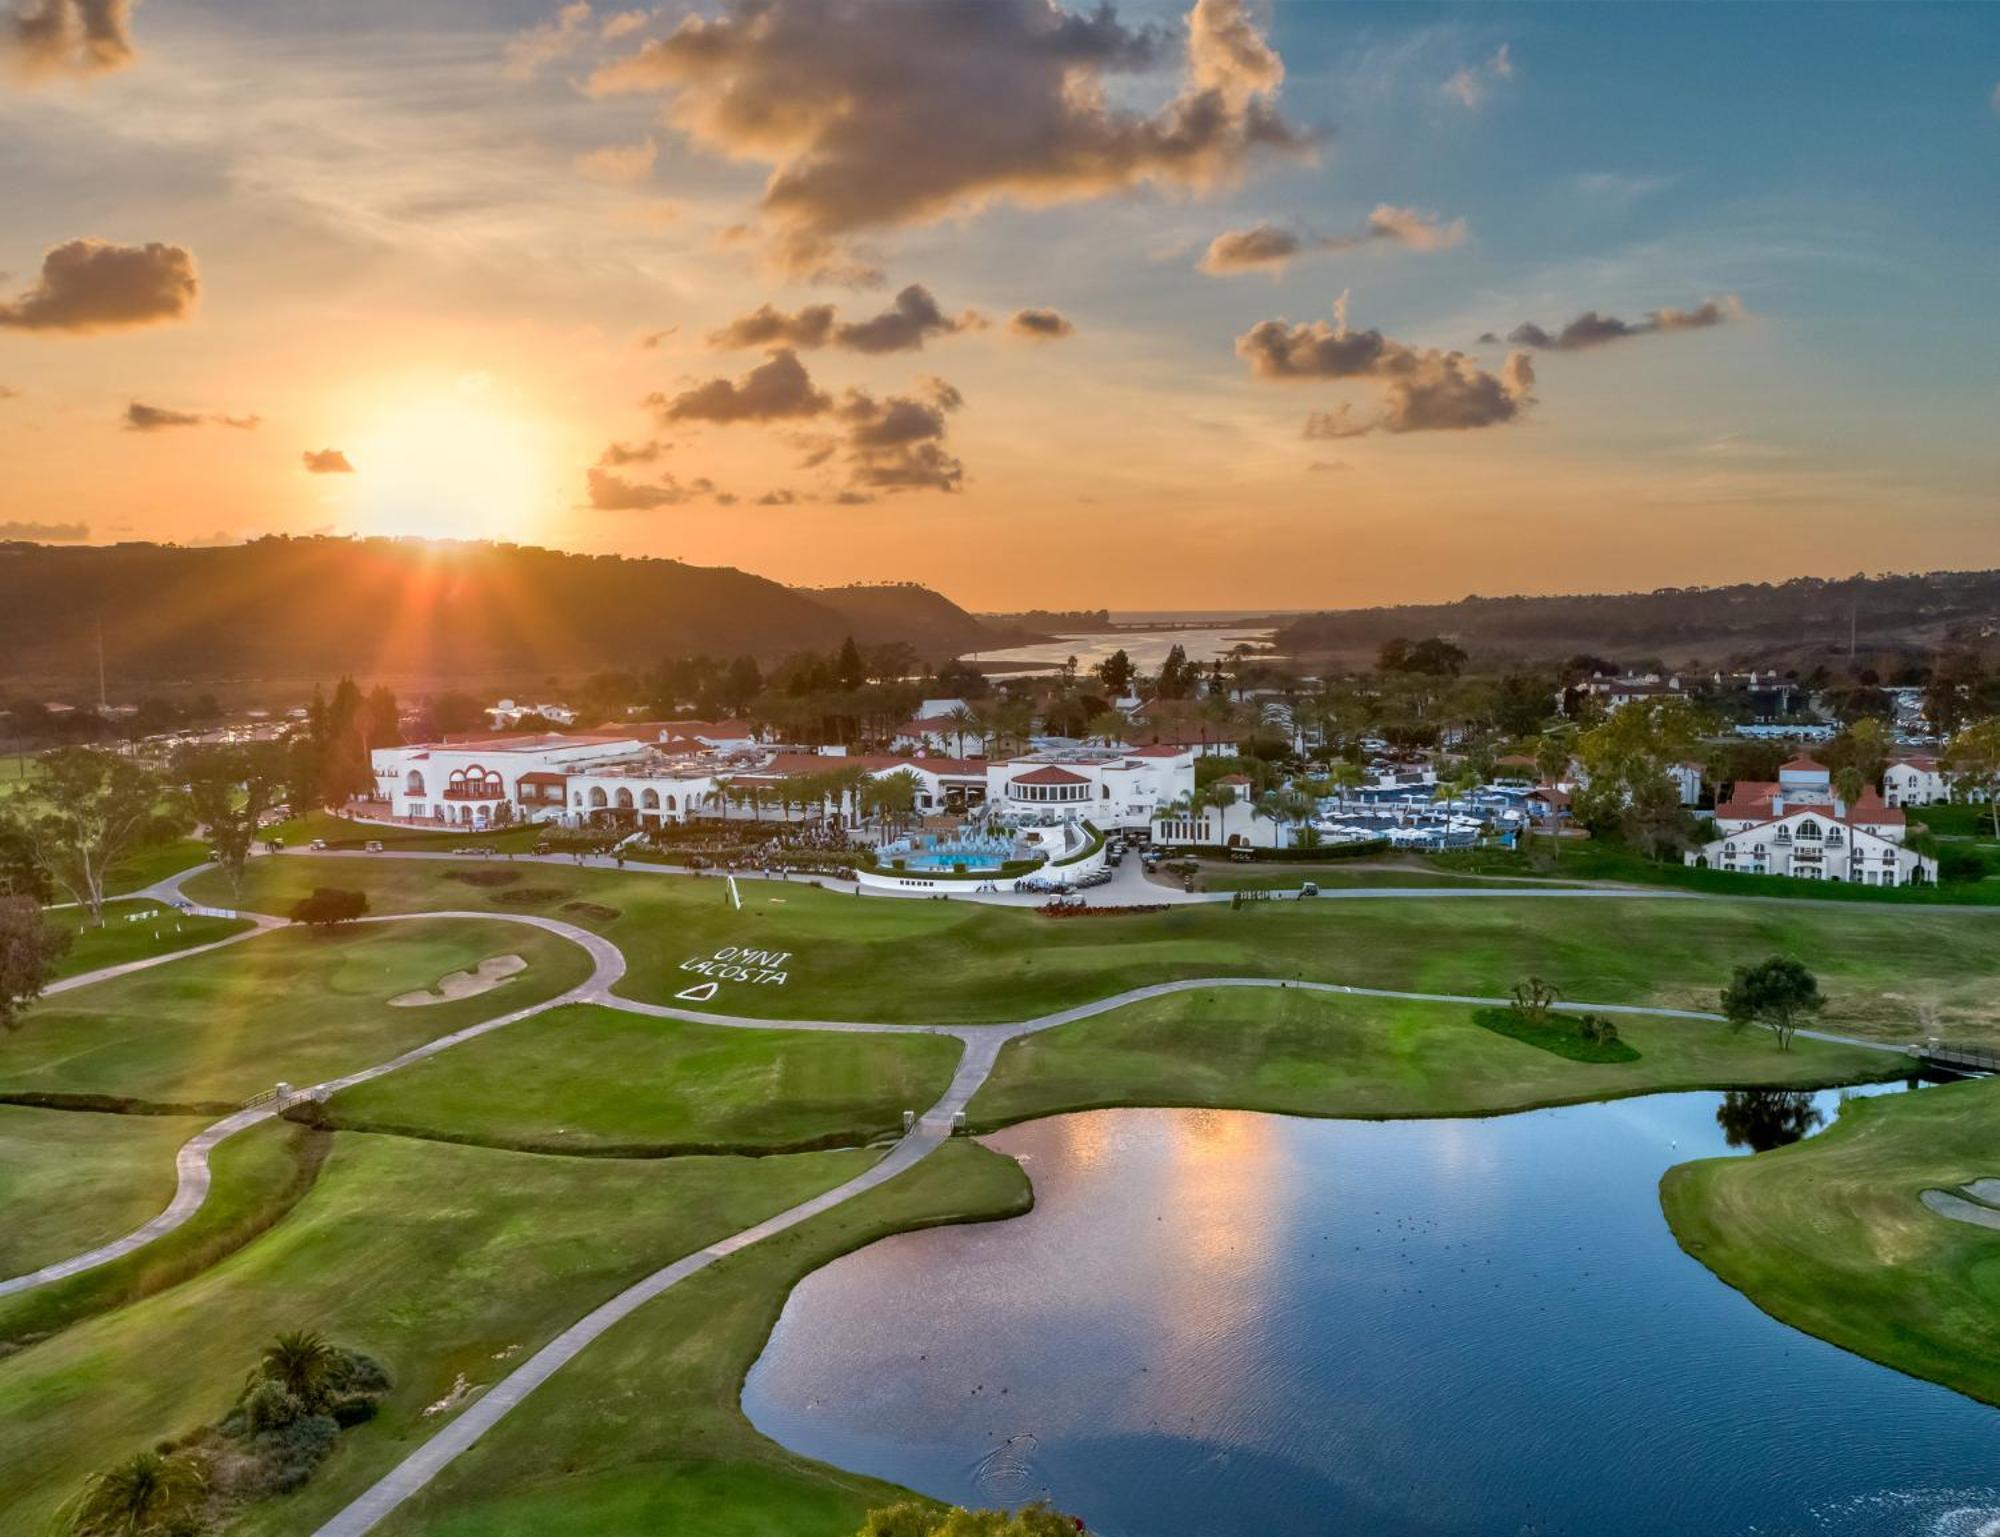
[(133, 931), (1831, 1235), (440, 1261), (295, 1004), (1311, 1054), (1333, 877), (591, 1079), (70, 1180), (644, 1433), (959, 962)]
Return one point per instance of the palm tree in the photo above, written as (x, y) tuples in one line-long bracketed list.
[(963, 724), (303, 1361), (141, 1495), (1108, 727)]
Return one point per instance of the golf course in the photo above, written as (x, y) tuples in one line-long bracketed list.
[(461, 1189)]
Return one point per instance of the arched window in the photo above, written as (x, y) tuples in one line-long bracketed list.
[(671, 806), (650, 800), (624, 799), (1808, 829), (413, 783), (597, 800)]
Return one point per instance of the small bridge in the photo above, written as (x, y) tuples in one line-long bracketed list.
[(1950, 1058)]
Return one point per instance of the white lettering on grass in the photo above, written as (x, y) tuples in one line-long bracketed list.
[(736, 963)]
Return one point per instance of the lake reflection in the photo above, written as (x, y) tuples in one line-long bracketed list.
[(1218, 1323)]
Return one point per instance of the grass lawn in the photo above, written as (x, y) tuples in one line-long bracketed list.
[(959, 962), (438, 1260), (69, 1180), (1557, 1032), (295, 1005), (134, 931), (643, 1433), (1311, 1054), (585, 1078), (1830, 1235), (1588, 860)]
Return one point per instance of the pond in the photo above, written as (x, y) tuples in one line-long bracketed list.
[(1219, 1323), (1147, 648)]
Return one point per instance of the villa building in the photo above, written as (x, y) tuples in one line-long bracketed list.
[(1800, 828), (656, 773), (1913, 779)]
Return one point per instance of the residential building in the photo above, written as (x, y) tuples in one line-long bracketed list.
[(1798, 827)]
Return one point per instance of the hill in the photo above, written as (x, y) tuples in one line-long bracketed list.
[(282, 609), (928, 620), (1798, 623)]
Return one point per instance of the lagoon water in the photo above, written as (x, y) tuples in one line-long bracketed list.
[(1147, 648), (1219, 1324)]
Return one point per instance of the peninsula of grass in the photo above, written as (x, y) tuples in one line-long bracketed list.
[(296, 1005), (1308, 1053), (1831, 1235), (889, 960), (70, 1181), (1555, 1031), (447, 1264), (587, 1079), (133, 931), (645, 1432)]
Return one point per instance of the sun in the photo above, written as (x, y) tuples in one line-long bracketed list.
[(454, 460)]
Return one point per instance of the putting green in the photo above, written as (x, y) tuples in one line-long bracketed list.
[(293, 1005), (1832, 1236), (644, 1432), (1310, 1054), (71, 1180), (438, 1260), (592, 1079), (958, 962)]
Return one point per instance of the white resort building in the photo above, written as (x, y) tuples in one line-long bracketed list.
[(1799, 827), (654, 773)]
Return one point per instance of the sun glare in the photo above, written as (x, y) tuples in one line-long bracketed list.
[(452, 461)]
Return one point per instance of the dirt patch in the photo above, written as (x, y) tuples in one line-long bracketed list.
[(483, 978), (484, 877), (591, 910), (531, 896)]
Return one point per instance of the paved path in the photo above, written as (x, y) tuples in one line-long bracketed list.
[(259, 925)]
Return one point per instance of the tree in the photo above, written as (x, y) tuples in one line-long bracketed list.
[(1654, 821), (304, 1363), (30, 946), (148, 1493), (1116, 673), (1178, 676), (849, 671), (1108, 727), (1535, 997), (229, 790), (87, 810), (1778, 994), (914, 1520), (1433, 656), (893, 797), (330, 906), (1972, 764)]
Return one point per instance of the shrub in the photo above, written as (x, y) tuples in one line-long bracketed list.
[(484, 877), (531, 896), (270, 1406), (330, 905), (288, 1455)]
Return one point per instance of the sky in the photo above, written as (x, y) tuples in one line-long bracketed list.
[(1150, 305)]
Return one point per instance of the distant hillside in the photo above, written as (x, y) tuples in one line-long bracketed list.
[(303, 609), (1796, 623), (932, 623)]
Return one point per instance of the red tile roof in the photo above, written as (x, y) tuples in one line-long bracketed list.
[(1802, 766), (1050, 775)]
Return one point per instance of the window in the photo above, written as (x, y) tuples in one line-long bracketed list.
[(413, 783)]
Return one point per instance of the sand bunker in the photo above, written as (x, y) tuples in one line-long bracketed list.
[(1959, 1209), (483, 978)]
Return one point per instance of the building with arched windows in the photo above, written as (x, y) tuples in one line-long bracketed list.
[(1799, 827)]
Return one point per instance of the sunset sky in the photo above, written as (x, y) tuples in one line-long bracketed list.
[(1146, 306)]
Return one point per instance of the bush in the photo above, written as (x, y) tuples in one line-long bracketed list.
[(270, 1406), (484, 877), (330, 905), (288, 1455), (531, 896)]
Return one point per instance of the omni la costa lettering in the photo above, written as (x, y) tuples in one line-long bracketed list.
[(762, 968)]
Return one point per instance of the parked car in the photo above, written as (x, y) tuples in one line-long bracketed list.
[(374, 845), (317, 843)]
